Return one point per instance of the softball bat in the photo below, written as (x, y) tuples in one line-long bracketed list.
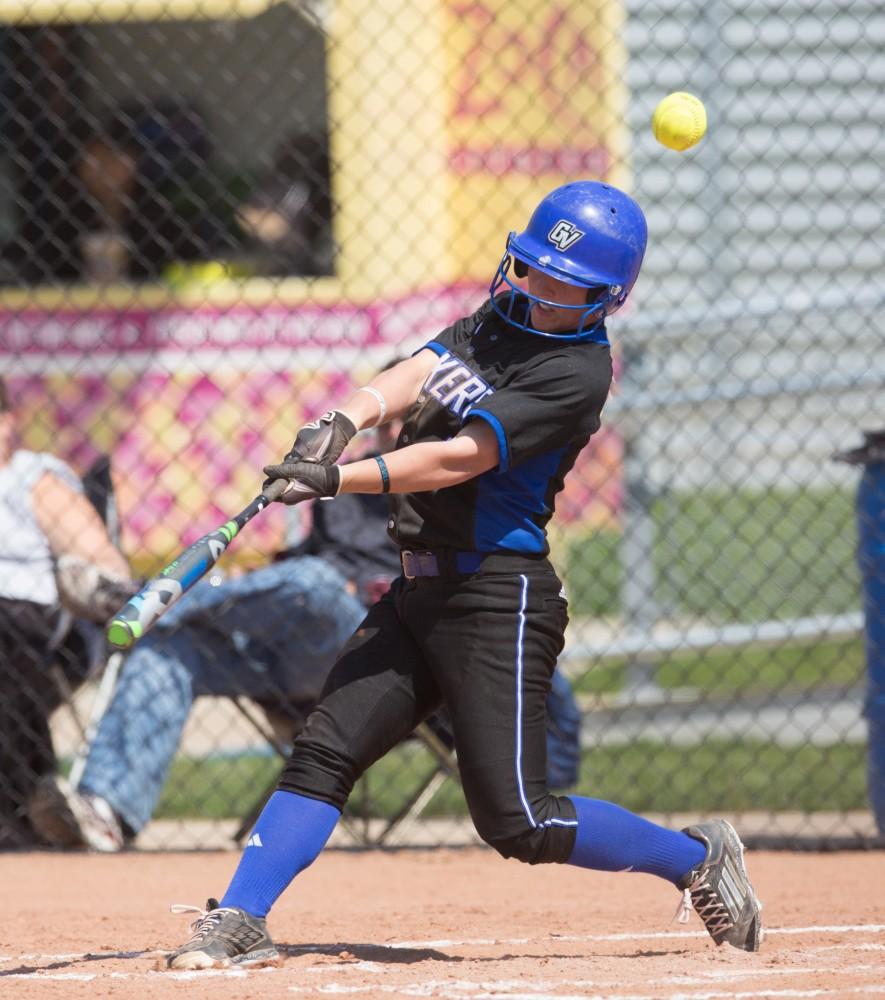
[(143, 610)]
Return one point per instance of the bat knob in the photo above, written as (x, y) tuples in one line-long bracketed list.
[(122, 634)]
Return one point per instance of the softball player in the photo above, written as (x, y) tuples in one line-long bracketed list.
[(496, 409)]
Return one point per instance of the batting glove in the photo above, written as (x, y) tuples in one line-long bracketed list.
[(322, 440), (307, 480)]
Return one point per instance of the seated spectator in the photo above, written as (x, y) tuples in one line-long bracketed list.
[(272, 635), (138, 196), (288, 216), (179, 209), (43, 111), (55, 552), (149, 184)]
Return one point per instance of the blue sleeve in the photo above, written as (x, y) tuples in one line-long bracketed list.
[(503, 450), (431, 345)]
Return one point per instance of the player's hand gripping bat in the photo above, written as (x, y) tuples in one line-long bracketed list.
[(136, 617)]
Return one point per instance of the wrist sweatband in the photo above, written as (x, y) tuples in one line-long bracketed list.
[(385, 475), (382, 403)]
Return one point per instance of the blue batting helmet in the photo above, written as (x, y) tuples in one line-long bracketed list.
[(586, 233)]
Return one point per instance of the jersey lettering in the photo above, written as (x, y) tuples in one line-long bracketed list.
[(454, 385)]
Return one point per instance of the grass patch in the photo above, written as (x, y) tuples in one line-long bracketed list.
[(727, 775), (216, 787), (643, 776), (739, 671), (733, 556)]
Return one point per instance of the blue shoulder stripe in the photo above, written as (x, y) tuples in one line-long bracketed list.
[(495, 423), (434, 346)]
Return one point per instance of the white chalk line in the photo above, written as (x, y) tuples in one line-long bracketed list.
[(718, 995), (150, 974), (478, 942), (845, 947), (420, 989), (468, 987), (642, 936), (76, 956), (504, 990), (704, 977), (508, 990)]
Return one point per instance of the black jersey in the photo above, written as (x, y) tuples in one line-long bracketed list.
[(543, 398)]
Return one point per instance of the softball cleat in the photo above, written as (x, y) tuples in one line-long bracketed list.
[(66, 818), (222, 937), (719, 889)]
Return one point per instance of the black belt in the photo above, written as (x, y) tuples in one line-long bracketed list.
[(445, 564)]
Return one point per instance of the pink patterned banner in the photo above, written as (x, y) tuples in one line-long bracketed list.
[(191, 405), (58, 334)]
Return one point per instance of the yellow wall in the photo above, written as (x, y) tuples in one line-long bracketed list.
[(386, 106), (452, 119), (535, 100)]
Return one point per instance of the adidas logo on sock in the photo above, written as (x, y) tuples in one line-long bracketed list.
[(254, 841)]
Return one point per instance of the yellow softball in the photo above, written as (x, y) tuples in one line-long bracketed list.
[(679, 121)]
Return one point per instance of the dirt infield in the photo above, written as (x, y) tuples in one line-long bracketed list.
[(448, 924)]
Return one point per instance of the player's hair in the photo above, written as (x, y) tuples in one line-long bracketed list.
[(5, 402)]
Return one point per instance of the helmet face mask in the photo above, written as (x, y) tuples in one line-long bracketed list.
[(586, 234), (587, 315)]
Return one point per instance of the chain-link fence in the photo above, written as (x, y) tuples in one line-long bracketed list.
[(217, 215)]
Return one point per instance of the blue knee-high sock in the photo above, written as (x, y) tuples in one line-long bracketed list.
[(611, 839), (291, 831)]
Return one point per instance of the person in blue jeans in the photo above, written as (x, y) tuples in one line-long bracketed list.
[(238, 638), (233, 639)]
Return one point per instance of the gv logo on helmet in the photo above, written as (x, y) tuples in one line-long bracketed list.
[(564, 234)]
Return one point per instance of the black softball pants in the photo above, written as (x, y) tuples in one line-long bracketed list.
[(485, 645)]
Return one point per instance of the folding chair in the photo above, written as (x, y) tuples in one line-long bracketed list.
[(271, 725), (99, 489), (435, 737)]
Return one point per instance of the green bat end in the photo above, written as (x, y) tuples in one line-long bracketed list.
[(123, 634)]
